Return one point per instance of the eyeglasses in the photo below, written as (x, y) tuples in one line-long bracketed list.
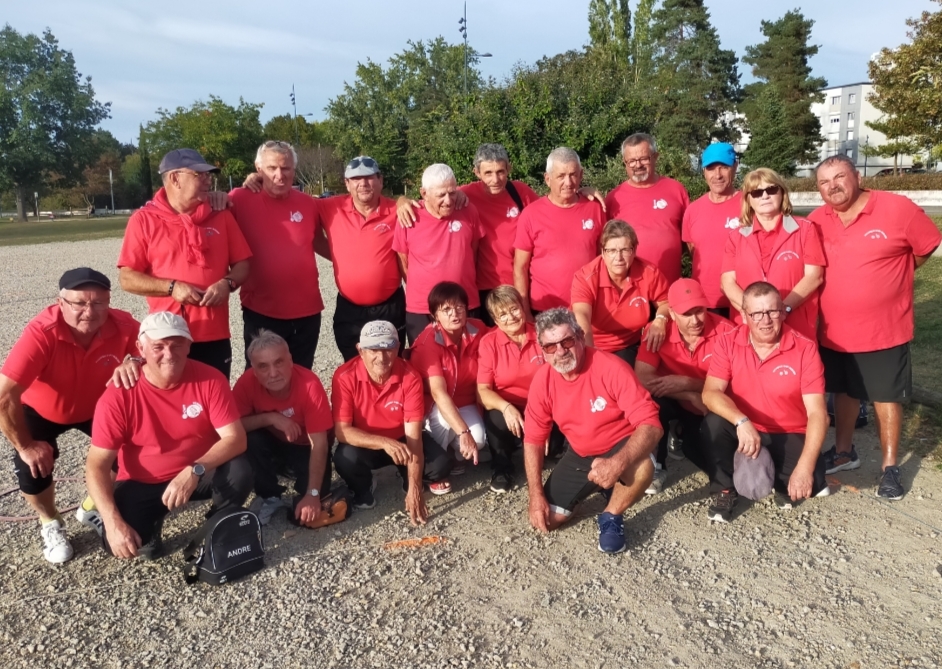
[(453, 311), (566, 343), (773, 314), (619, 252), (513, 312), (634, 162), (759, 192), (79, 307), (366, 161)]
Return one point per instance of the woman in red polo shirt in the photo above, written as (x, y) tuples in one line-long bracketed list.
[(772, 245), (445, 354), (613, 294)]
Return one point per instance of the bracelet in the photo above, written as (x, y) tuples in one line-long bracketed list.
[(741, 421), (131, 358), (506, 407), (173, 282), (660, 316), (468, 431)]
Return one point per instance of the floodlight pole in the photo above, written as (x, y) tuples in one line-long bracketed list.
[(111, 185), (297, 135)]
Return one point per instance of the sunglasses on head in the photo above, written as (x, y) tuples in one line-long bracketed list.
[(759, 192), (365, 161), (566, 343)]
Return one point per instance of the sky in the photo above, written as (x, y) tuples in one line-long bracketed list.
[(148, 55)]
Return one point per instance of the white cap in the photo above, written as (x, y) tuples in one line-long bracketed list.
[(379, 335), (163, 324)]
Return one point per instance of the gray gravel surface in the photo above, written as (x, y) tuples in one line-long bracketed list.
[(843, 582)]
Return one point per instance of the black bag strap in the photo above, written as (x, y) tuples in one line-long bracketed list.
[(191, 570), (514, 195)]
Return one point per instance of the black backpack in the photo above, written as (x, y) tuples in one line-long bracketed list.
[(227, 547)]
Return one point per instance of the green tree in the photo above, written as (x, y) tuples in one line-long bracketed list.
[(146, 175), (610, 28), (781, 61), (770, 144), (48, 114), (283, 128), (642, 42), (695, 83)]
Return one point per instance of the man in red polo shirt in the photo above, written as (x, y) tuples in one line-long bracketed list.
[(764, 390), (49, 384), (185, 257), (281, 226), (874, 241), (674, 373), (556, 235), (708, 220), (442, 246), (609, 420), (286, 416), (379, 408), (176, 436), (652, 204)]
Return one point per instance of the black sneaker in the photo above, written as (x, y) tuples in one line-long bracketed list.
[(721, 510), (840, 462), (154, 548), (890, 485), (502, 483), (366, 500), (675, 441)]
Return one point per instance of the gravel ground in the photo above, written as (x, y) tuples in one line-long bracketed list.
[(845, 582)]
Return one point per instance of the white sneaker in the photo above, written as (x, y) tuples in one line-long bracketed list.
[(56, 546), (657, 483), (270, 506), (90, 519)]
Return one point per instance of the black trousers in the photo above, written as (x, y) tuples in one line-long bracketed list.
[(141, 507), (349, 319), (42, 429), (485, 314), (355, 465), (301, 334), (269, 455), (502, 442), (217, 354), (718, 437), (670, 409), (629, 354)]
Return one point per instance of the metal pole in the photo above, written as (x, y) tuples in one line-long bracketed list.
[(111, 185), (297, 135), (320, 165)]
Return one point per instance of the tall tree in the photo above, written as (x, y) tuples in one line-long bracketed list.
[(642, 42), (48, 114), (770, 144), (301, 132), (610, 28), (782, 62), (696, 83)]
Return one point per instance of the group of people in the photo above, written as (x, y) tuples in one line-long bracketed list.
[(559, 325)]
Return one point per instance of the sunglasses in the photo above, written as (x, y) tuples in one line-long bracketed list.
[(759, 192), (566, 343), (366, 161)]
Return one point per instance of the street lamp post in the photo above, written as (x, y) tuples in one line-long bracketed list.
[(463, 29), (297, 134), (111, 185)]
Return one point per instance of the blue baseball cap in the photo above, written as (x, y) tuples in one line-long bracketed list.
[(720, 152)]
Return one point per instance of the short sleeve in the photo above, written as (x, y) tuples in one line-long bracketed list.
[(341, 396), (812, 372), (633, 399), (657, 289), (720, 363), (812, 246), (238, 248), (538, 414), (524, 237), (582, 291), (729, 253), (645, 354), (109, 426), (28, 358), (922, 234), (133, 254), (413, 396), (400, 239), (242, 391), (686, 226), (427, 360), (612, 208), (222, 406), (487, 362), (317, 415)]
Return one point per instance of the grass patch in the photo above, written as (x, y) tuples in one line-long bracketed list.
[(923, 425), (61, 230)]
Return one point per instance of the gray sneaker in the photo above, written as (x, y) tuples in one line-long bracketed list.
[(657, 483), (271, 506)]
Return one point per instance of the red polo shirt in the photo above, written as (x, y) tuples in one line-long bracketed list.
[(618, 315), (63, 381), (439, 250), (306, 403), (769, 391), (561, 240), (867, 297), (605, 404), (198, 249), (365, 266), (159, 433), (706, 225), (378, 409), (433, 354), (283, 280), (778, 257), (498, 214), (655, 213), (508, 368)]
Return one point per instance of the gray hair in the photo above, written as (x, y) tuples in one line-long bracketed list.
[(276, 146), (554, 317), (491, 153), (760, 289), (265, 339), (639, 138), (436, 175), (833, 160), (562, 155)]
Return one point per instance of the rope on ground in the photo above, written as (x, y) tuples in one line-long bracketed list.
[(23, 519)]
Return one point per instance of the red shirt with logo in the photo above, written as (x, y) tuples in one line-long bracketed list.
[(439, 250), (434, 354), (378, 409), (867, 296), (63, 381), (499, 214), (283, 281), (655, 213), (618, 315), (603, 405), (198, 249), (507, 368), (159, 433), (706, 225), (306, 403), (561, 239), (769, 391), (778, 257), (365, 266)]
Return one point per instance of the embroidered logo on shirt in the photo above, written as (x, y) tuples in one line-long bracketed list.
[(785, 370), (513, 212), (192, 411), (455, 226), (732, 223), (211, 231), (660, 204), (787, 255), (394, 405), (107, 359), (707, 356), (288, 413), (537, 360), (296, 217), (381, 227), (588, 224), (598, 404), (638, 302), (875, 234)]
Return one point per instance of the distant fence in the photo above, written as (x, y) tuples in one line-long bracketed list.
[(924, 198)]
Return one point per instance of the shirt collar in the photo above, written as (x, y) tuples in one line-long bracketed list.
[(789, 225), (364, 376), (786, 342)]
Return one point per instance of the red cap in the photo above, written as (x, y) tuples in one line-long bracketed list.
[(684, 295)]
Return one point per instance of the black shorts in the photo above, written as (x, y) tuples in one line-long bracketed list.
[(873, 376), (569, 483), (41, 429)]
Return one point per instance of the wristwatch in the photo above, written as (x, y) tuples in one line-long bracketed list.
[(232, 284), (788, 309), (198, 470), (314, 492)]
